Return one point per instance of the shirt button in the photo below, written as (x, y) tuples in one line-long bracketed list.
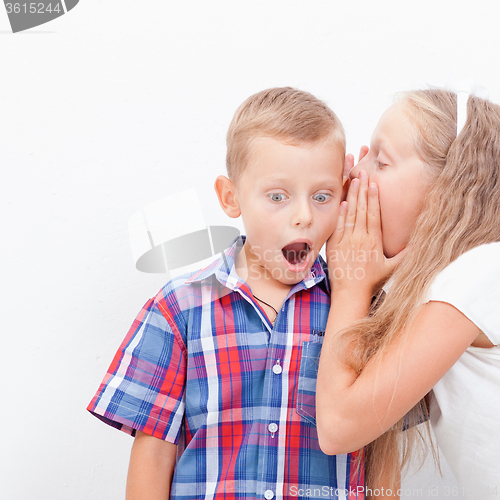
[(269, 495), (272, 428), (277, 369)]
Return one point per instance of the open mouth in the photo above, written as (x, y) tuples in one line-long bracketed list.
[(296, 253)]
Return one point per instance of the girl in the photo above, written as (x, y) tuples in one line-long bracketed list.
[(438, 195)]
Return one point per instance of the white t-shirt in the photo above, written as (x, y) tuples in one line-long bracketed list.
[(465, 412)]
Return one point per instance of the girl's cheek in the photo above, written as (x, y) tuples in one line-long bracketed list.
[(374, 177)]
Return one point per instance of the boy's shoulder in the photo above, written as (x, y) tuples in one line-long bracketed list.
[(188, 290), (185, 290)]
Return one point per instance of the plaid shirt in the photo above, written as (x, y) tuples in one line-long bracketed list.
[(203, 367)]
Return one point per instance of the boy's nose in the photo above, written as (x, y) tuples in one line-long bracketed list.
[(303, 214)]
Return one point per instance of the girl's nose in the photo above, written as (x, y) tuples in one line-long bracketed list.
[(353, 174), (362, 165)]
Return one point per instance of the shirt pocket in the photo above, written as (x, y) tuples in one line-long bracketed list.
[(306, 389)]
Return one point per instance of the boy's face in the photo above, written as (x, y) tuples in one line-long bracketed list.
[(289, 198)]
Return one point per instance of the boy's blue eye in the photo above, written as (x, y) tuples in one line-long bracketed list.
[(277, 197), (321, 197), (380, 164)]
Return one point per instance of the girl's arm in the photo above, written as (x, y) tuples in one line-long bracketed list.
[(353, 411)]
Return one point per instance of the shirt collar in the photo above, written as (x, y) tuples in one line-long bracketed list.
[(224, 270)]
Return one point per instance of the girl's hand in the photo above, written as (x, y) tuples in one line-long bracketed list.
[(354, 251)]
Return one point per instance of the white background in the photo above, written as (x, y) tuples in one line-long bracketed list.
[(120, 103)]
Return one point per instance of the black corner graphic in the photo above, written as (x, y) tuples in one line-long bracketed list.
[(70, 4), (24, 15)]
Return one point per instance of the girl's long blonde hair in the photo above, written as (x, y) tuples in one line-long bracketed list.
[(461, 211)]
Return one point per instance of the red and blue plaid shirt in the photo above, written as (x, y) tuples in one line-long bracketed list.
[(203, 367)]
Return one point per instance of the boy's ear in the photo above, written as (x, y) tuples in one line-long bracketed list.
[(226, 192)]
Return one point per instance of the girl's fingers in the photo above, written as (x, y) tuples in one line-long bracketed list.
[(362, 203), (373, 217), (337, 235), (352, 200), (341, 222)]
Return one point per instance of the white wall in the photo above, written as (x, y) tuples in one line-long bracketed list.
[(121, 102)]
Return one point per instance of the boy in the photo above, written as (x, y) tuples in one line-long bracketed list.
[(217, 374)]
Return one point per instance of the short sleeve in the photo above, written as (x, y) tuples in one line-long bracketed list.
[(471, 283), (144, 386)]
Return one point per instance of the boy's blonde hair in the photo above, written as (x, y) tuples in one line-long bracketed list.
[(282, 113), (461, 211)]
